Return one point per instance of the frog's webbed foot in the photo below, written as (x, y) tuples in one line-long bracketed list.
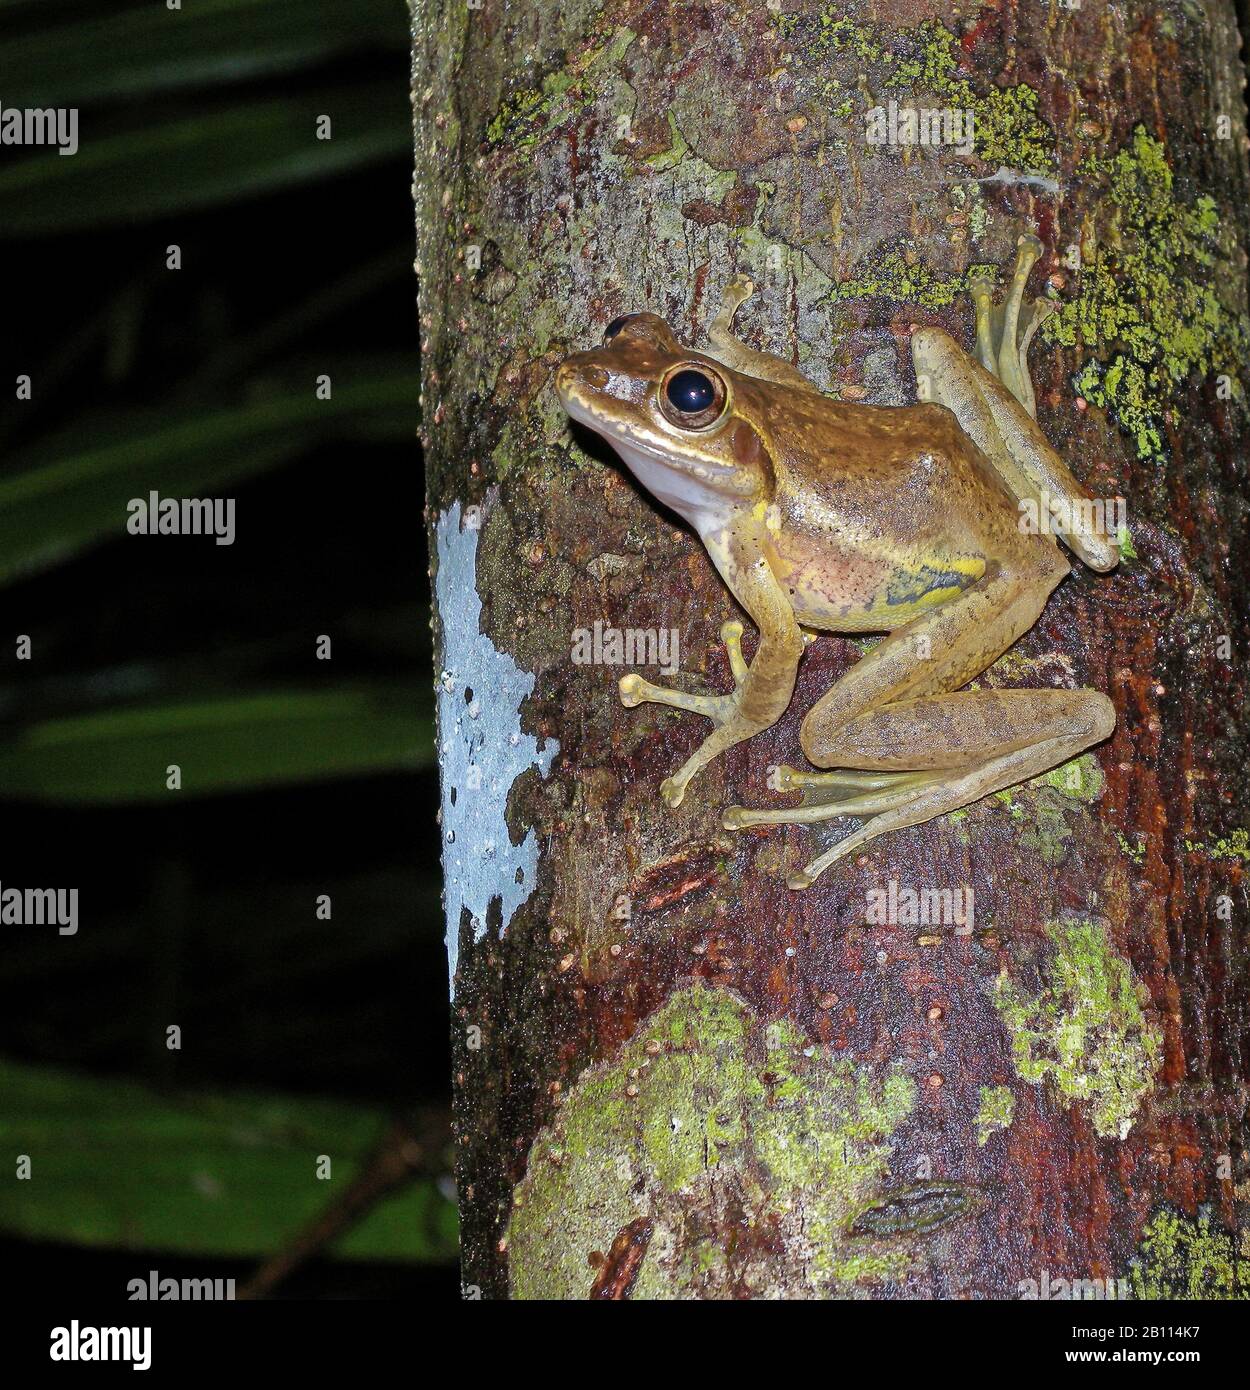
[(1005, 331), (829, 796), (722, 710)]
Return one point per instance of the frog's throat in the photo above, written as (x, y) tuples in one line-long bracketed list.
[(703, 495)]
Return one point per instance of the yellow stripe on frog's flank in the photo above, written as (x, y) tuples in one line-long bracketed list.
[(928, 584)]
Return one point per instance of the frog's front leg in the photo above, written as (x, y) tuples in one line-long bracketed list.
[(726, 347), (763, 689)]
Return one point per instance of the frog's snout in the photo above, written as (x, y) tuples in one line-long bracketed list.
[(574, 377)]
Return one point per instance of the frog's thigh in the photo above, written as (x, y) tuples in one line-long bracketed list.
[(967, 727), (1010, 438)]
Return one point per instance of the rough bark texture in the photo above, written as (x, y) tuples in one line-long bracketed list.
[(674, 1076)]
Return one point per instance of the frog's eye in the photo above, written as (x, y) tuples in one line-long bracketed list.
[(690, 392), (692, 398), (616, 325)]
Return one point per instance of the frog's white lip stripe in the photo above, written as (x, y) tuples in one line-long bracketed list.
[(611, 431)]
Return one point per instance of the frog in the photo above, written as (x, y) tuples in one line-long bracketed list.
[(830, 516)]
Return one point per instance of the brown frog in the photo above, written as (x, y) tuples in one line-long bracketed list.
[(827, 516)]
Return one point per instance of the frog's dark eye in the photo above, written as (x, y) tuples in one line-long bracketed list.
[(692, 398), (690, 391), (616, 325)]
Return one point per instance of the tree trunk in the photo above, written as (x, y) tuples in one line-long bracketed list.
[(675, 1076)]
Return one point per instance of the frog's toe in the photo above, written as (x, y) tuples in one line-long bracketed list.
[(793, 779), (672, 792), (809, 873), (731, 636), (1033, 314), (786, 778), (631, 688), (741, 817), (636, 691), (840, 783)]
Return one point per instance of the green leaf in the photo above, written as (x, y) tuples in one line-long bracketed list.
[(151, 49), (225, 745), (114, 1164), (141, 170), (74, 489)]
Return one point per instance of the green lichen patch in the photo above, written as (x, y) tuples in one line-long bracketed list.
[(1235, 846), (1148, 305), (1040, 807), (745, 1150), (1183, 1258), (1043, 825), (1134, 849), (995, 1111), (561, 95), (910, 282), (1080, 779), (1086, 1033), (833, 54), (1008, 131), (677, 150)]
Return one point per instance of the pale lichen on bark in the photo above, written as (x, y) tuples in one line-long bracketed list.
[(708, 1119)]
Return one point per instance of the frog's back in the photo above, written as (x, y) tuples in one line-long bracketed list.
[(882, 512)]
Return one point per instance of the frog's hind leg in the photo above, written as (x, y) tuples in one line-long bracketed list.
[(993, 402), (963, 746), (983, 742), (901, 718)]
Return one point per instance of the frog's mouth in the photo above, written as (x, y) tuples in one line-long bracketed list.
[(648, 453), (677, 481)]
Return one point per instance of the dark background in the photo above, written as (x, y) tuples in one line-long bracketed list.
[(197, 906)]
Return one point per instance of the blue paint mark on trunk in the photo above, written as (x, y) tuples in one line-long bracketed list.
[(482, 750)]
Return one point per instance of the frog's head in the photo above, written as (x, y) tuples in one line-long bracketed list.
[(673, 415)]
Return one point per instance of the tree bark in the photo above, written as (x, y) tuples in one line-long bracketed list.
[(674, 1076)]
